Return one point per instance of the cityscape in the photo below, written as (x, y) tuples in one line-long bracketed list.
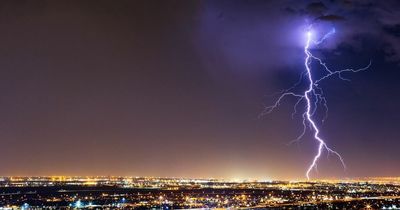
[(63, 192)]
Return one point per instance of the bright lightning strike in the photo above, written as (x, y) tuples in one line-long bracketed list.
[(313, 96)]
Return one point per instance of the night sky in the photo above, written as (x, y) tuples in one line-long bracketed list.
[(174, 88)]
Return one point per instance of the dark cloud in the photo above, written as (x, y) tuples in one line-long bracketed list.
[(332, 18), (357, 19), (316, 8), (378, 20), (236, 28)]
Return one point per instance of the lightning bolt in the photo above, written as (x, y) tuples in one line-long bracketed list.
[(313, 96)]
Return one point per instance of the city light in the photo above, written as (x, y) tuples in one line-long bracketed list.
[(175, 193)]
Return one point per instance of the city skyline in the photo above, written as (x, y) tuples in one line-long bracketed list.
[(175, 88)]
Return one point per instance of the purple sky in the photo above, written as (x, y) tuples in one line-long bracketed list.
[(174, 88)]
